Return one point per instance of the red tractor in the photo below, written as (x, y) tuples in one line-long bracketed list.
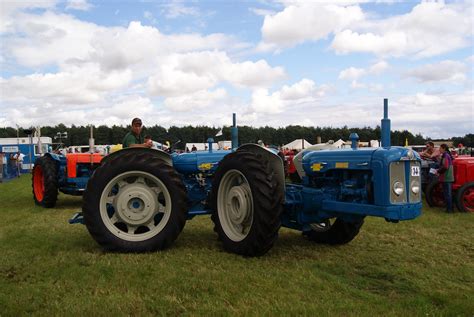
[(463, 186)]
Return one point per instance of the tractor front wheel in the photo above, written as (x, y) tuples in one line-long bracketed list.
[(45, 182), (135, 202), (339, 232), (434, 194), (247, 203), (465, 197)]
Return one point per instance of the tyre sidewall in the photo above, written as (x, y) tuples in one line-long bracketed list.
[(91, 208), (460, 194), (254, 232)]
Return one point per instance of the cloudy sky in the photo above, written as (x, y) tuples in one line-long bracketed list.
[(312, 63)]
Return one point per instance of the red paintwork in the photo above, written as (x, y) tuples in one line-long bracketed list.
[(38, 184), (74, 158), (463, 171)]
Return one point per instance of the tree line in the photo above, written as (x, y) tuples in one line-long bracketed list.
[(79, 135)]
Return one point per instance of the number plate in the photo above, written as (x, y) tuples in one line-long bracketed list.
[(415, 171)]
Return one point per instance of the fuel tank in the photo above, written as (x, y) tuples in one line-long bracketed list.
[(198, 162)]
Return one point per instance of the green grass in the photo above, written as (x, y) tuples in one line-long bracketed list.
[(423, 267)]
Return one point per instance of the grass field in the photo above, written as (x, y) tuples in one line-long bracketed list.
[(423, 267)]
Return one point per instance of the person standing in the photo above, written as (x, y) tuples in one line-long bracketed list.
[(19, 157), (134, 138), (446, 175), (430, 152)]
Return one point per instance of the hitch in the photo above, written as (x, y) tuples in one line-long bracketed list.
[(77, 218)]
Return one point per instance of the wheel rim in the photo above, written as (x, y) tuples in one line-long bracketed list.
[(468, 199), (437, 195), (38, 183), (235, 205), (135, 206)]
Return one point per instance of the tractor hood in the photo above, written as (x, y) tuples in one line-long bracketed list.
[(322, 161)]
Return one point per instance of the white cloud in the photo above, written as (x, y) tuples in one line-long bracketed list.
[(352, 73), (261, 12), (176, 9), (10, 9), (430, 29), (378, 68), (304, 21), (304, 91), (180, 74), (450, 71), (436, 115), (198, 100), (63, 88), (81, 5)]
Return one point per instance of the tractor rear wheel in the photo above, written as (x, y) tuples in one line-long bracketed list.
[(135, 202), (434, 194), (45, 182), (465, 197), (340, 232), (247, 202)]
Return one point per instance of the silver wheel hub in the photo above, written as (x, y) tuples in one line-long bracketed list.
[(136, 204), (238, 204), (235, 205)]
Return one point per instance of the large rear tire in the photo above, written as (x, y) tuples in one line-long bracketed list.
[(465, 197), (434, 194), (340, 232), (135, 202), (44, 181), (247, 202)]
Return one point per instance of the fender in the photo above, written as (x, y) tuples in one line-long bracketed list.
[(275, 161), (158, 153), (54, 156)]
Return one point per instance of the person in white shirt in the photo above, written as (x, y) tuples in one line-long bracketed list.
[(19, 161)]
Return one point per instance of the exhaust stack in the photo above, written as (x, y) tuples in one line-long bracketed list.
[(385, 125), (234, 133)]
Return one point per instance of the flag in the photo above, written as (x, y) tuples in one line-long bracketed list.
[(219, 133)]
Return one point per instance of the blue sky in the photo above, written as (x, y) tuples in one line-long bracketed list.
[(318, 63)]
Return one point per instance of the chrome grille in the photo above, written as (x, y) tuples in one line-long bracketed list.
[(414, 176), (397, 174)]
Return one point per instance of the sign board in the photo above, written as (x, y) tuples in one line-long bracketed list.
[(9, 149)]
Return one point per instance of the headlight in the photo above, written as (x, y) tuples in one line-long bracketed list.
[(410, 154), (415, 187), (398, 188)]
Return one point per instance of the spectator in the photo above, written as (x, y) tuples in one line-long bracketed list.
[(446, 176), (134, 137), (19, 161), (12, 166), (194, 148), (430, 153)]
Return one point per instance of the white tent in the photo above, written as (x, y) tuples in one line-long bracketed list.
[(297, 144)]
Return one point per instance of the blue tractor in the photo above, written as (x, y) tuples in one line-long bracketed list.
[(138, 200)]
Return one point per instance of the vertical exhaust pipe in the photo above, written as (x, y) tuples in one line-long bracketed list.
[(385, 125), (234, 133)]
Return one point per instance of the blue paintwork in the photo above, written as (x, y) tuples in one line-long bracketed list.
[(194, 162), (385, 125)]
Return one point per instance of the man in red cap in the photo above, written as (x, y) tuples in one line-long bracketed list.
[(134, 137)]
